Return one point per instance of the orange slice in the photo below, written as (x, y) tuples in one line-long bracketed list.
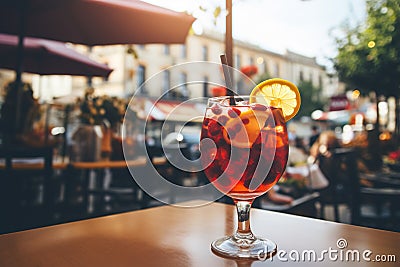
[(243, 132), (278, 93)]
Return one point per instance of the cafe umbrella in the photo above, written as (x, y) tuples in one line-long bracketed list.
[(91, 22), (47, 57), (94, 22)]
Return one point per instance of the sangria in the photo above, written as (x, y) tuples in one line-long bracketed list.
[(244, 147)]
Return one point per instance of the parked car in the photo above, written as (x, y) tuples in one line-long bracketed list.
[(187, 142)]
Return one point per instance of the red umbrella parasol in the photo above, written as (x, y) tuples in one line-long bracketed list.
[(91, 22), (47, 57), (94, 22)]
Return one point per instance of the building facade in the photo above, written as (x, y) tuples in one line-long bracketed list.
[(135, 64), (144, 62)]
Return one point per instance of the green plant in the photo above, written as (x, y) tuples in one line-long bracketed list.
[(96, 110)]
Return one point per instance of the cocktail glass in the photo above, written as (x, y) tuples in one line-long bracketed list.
[(244, 148)]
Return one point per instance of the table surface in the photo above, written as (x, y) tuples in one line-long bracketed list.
[(173, 236), (386, 179), (102, 164)]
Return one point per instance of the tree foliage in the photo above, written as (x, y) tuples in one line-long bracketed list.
[(368, 55), (310, 98)]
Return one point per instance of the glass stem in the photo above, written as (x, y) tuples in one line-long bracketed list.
[(243, 230)]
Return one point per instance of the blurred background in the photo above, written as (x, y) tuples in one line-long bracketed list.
[(343, 55)]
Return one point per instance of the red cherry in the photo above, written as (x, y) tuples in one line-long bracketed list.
[(234, 112), (245, 121), (223, 119), (214, 128), (216, 110), (259, 107)]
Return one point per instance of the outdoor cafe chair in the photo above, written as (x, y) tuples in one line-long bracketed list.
[(28, 191), (377, 207)]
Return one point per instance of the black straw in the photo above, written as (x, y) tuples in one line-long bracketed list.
[(228, 80)]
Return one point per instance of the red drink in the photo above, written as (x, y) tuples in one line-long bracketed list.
[(247, 150), (244, 149)]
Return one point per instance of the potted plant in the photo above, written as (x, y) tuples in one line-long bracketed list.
[(19, 129), (100, 116)]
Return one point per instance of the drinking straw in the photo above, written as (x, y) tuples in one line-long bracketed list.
[(228, 80)]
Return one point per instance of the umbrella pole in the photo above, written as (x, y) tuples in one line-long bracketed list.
[(18, 71), (89, 78), (228, 33)]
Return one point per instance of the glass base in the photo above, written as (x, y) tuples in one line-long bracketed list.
[(232, 247)]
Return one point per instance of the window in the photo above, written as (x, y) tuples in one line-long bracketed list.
[(183, 51), (205, 86), (204, 51), (276, 70), (265, 67), (166, 50), (141, 78), (237, 61), (183, 84), (251, 61), (301, 76), (240, 87), (166, 85)]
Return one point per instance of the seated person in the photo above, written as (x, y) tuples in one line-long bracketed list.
[(279, 198), (274, 197), (326, 142), (297, 153)]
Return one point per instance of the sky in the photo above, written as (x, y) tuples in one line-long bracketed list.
[(305, 27)]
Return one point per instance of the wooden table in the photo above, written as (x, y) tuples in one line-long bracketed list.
[(172, 236), (102, 164), (382, 179)]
